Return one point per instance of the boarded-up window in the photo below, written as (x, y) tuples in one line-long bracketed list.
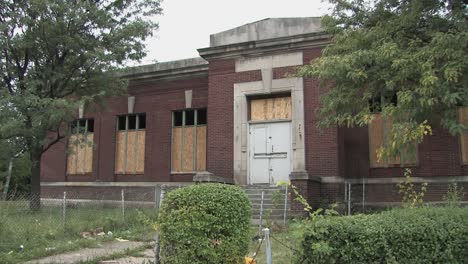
[(80, 147), (130, 144), (379, 135), (463, 117), (276, 108), (189, 140)]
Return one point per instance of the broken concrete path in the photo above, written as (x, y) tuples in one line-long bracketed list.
[(147, 256), (88, 254)]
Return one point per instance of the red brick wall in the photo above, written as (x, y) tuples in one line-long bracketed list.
[(438, 155), (378, 193), (321, 146), (155, 98), (322, 150), (340, 152), (310, 190)]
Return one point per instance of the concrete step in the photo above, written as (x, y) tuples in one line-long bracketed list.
[(275, 209), (268, 206), (265, 195), (264, 190)]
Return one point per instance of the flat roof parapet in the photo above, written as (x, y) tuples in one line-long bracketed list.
[(174, 68), (269, 28)]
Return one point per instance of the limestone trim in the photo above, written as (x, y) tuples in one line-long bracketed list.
[(241, 125), (268, 46), (269, 62)]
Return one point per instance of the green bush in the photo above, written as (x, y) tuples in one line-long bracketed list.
[(418, 235), (206, 223)]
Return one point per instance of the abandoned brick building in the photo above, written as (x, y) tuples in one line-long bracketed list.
[(236, 114)]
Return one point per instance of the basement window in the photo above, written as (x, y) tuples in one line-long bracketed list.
[(130, 144), (80, 147), (188, 141)]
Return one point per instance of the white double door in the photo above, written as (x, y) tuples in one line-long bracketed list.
[(269, 152)]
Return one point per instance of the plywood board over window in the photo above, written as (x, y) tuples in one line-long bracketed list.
[(120, 152), (201, 148), (80, 147), (130, 144), (177, 149), (276, 108), (463, 118), (379, 135), (188, 141)]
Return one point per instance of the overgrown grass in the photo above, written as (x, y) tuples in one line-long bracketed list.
[(26, 235), (284, 243)]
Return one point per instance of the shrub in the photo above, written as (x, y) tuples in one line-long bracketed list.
[(454, 195), (418, 235), (206, 223), (411, 198)]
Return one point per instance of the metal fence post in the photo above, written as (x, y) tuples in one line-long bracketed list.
[(363, 196), (122, 194), (157, 196), (267, 245), (349, 198), (156, 249), (161, 196), (64, 208), (156, 238), (261, 215), (285, 204)]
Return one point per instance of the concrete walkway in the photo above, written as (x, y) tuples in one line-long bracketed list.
[(146, 257), (88, 254)]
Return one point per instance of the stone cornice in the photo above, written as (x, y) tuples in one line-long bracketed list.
[(260, 47), (168, 70)]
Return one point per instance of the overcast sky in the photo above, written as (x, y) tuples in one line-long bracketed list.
[(186, 25)]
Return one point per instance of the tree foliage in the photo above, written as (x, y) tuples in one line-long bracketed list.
[(57, 54), (407, 59)]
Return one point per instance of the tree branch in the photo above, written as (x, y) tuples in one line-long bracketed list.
[(53, 142)]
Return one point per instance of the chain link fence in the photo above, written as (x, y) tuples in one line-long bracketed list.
[(66, 220)]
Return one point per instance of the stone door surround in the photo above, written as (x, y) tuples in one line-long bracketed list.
[(268, 85)]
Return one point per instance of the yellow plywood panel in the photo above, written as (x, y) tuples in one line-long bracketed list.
[(283, 108), (120, 152), (189, 137), (71, 162), (80, 162), (463, 117), (375, 140), (201, 148), (258, 109), (131, 151), (409, 156), (89, 153), (140, 161), (379, 134), (177, 149), (387, 127), (270, 109)]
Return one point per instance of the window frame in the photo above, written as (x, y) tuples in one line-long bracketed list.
[(76, 131), (194, 146), (253, 98), (126, 130), (385, 163)]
